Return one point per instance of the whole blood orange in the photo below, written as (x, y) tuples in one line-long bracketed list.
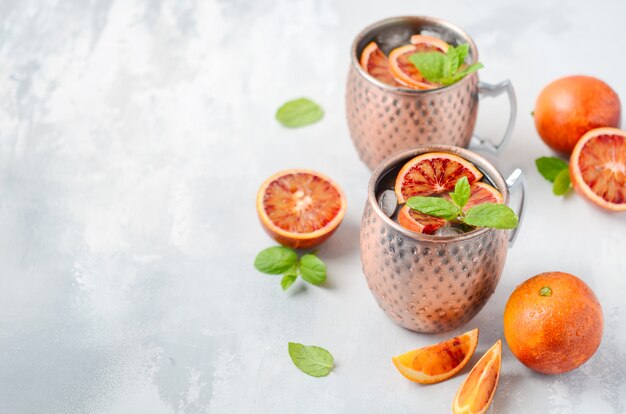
[(436, 363), (300, 208), (598, 168), (553, 322), (569, 107)]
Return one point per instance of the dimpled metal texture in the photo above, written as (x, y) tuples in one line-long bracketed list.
[(426, 283), (383, 119)]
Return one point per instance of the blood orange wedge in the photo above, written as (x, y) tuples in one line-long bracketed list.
[(433, 173), (404, 71), (419, 222), (478, 389), (300, 208), (436, 363), (481, 193), (598, 167), (374, 62)]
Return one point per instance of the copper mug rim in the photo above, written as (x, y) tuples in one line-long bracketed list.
[(399, 20), (482, 163)]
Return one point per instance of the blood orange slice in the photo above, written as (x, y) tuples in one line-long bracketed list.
[(429, 43), (433, 173), (481, 193), (598, 167), (437, 362), (478, 389), (374, 62), (419, 222), (404, 71), (300, 208)]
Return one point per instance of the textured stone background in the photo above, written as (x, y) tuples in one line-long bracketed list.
[(133, 137)]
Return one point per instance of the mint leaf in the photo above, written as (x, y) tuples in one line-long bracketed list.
[(550, 167), (452, 63), (461, 74), (497, 216), (434, 206), (312, 360), (461, 192), (445, 69), (288, 280), (312, 269), (275, 260), (430, 64), (299, 112), (562, 182), (461, 54)]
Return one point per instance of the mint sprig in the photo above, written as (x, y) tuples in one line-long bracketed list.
[(279, 260), (447, 68), (556, 171), (492, 215)]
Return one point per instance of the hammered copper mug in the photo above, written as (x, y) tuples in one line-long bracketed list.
[(429, 283), (385, 119)]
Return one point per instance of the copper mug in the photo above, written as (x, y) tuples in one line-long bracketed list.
[(428, 283), (385, 119)]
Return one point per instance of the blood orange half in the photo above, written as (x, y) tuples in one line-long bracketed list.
[(433, 173), (300, 208), (419, 222), (478, 389), (404, 71), (374, 62), (436, 363), (598, 167)]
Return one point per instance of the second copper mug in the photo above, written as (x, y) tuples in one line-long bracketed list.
[(384, 119), (430, 283)]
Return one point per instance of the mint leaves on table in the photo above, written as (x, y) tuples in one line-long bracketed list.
[(312, 360), (556, 171), (299, 112), (497, 216), (445, 69), (281, 260)]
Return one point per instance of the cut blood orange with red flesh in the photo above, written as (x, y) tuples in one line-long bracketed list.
[(300, 208), (433, 173), (374, 62), (481, 193), (404, 71), (478, 389), (419, 222), (436, 363), (598, 167)]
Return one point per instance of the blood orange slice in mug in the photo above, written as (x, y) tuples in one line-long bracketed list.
[(436, 363), (481, 193), (404, 71), (433, 173), (374, 62), (300, 208), (598, 168), (419, 222)]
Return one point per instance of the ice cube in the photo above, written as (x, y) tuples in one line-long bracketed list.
[(388, 202), (394, 37), (448, 231)]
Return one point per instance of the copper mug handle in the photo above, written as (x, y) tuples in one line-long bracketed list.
[(517, 179), (489, 90)]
